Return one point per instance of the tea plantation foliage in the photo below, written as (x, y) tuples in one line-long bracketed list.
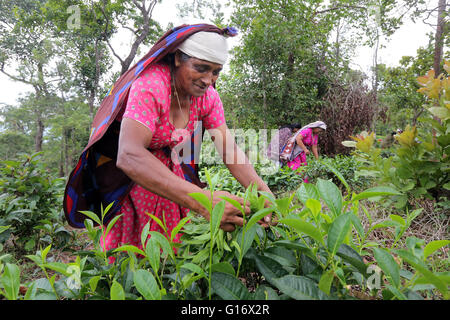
[(323, 245), (319, 249)]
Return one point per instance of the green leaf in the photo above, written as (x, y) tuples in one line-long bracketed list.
[(337, 232), (44, 253), (248, 239), (130, 248), (398, 219), (153, 254), (258, 216), (315, 206), (112, 223), (216, 217), (229, 287), (194, 268), (376, 192), (299, 288), (420, 266), (11, 281), (93, 216), (178, 227), (157, 220), (93, 282), (269, 268), (307, 191), (331, 194), (224, 267), (235, 203), (357, 224), (264, 292), (325, 281), (303, 227), (431, 247), (349, 255), (337, 174), (146, 284), (163, 242), (203, 200), (387, 263), (117, 292)]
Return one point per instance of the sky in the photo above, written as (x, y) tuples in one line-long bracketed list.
[(404, 42)]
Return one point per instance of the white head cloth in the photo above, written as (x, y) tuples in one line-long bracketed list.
[(209, 46)]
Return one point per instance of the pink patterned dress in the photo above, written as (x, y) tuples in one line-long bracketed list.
[(149, 103), (309, 139)]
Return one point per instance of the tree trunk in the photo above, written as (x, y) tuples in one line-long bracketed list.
[(438, 39)]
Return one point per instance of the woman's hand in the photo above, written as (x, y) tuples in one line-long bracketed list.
[(232, 216), (307, 152)]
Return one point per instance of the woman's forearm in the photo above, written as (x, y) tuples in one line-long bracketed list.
[(315, 152), (149, 172)]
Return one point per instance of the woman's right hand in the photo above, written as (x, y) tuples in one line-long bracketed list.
[(232, 216), (307, 152)]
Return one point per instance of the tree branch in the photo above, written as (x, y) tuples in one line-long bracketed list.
[(338, 8)]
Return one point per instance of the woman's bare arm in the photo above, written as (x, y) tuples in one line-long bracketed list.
[(149, 172)]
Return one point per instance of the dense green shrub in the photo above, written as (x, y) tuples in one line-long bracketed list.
[(346, 165), (418, 163), (318, 250), (30, 201)]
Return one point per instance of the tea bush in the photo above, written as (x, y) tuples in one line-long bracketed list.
[(28, 194), (418, 164), (346, 165), (317, 250)]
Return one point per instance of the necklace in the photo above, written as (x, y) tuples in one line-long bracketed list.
[(178, 100)]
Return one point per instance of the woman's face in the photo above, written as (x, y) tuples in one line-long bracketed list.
[(317, 130), (194, 76)]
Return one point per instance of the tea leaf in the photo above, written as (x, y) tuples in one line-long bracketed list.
[(146, 284), (250, 234), (338, 231), (216, 217), (93, 216), (130, 248), (264, 292), (10, 281), (93, 282), (224, 267), (376, 192), (194, 268), (303, 227), (431, 247), (203, 200), (258, 216), (117, 292), (331, 194), (111, 224), (228, 287), (178, 228), (348, 254), (299, 288), (325, 281), (269, 268), (235, 203), (314, 205), (157, 220), (419, 265), (307, 191), (387, 263), (153, 254), (163, 242)]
